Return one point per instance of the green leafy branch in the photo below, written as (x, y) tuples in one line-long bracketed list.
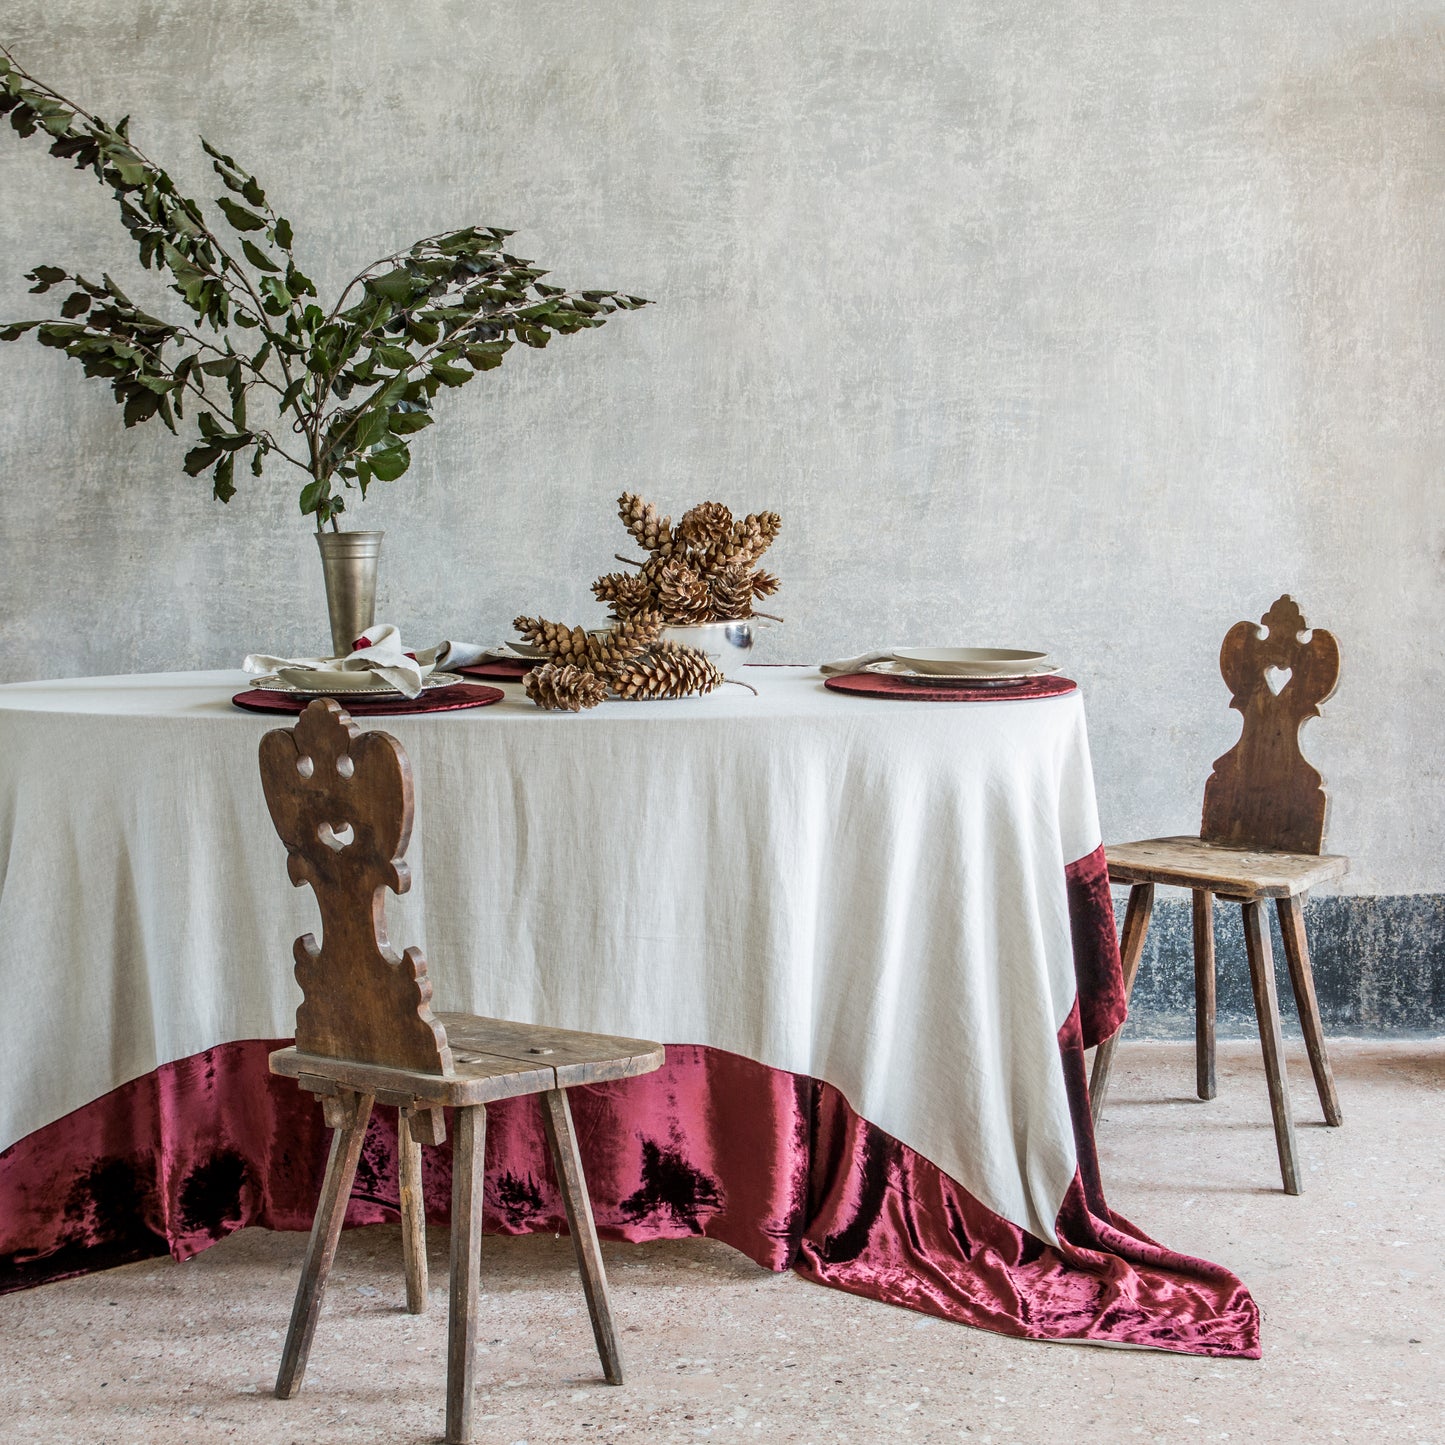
[(354, 383)]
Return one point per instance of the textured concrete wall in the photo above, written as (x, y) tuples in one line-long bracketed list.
[(1377, 964), (1089, 326)]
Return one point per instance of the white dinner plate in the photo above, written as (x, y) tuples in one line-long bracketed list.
[(972, 662), (893, 668), (297, 682)]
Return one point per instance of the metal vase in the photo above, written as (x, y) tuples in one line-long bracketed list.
[(349, 561)]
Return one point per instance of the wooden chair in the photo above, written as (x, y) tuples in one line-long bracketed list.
[(1263, 827), (365, 1034)]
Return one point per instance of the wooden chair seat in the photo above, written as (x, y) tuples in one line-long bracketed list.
[(492, 1059), (1222, 868)]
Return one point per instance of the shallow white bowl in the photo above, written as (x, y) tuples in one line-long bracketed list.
[(971, 661)]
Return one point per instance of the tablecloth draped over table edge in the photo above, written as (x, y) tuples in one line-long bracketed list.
[(866, 892), (775, 1164)]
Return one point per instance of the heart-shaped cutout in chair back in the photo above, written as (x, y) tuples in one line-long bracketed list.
[(1276, 679), (336, 838)]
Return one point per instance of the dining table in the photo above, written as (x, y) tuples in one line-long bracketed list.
[(875, 934)]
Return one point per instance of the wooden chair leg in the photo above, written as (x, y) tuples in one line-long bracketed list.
[(1204, 1008), (1301, 977), (468, 1154), (557, 1115), (347, 1114), (413, 1214), (1136, 929), (1266, 1008)]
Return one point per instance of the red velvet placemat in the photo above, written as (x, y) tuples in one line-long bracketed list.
[(501, 669), (874, 684), (438, 699)]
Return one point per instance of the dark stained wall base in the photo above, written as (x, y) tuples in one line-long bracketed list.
[(1379, 965)]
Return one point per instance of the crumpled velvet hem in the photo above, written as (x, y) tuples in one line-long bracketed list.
[(181, 1158), (774, 1164)]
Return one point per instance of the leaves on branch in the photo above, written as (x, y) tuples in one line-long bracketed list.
[(221, 485), (45, 277), (257, 257), (352, 383), (312, 495), (388, 465), (239, 217), (198, 459)]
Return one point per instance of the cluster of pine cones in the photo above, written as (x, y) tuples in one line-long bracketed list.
[(702, 570), (629, 661)]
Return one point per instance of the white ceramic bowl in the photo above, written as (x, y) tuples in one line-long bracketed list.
[(971, 661)]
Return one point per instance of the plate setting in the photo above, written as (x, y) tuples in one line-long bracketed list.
[(964, 666), (975, 663), (371, 686)]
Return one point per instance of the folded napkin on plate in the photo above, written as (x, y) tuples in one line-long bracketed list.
[(464, 654), (377, 650), (853, 664)]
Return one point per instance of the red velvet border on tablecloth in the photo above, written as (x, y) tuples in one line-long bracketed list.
[(775, 1164)]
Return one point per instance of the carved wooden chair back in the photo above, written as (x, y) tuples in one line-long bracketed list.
[(1263, 793), (341, 801)]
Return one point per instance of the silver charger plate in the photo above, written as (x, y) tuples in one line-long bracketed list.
[(890, 667), (380, 688)]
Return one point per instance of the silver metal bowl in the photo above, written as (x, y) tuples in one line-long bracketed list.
[(729, 645)]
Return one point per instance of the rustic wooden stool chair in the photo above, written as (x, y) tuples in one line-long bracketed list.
[(1263, 827), (365, 1034)]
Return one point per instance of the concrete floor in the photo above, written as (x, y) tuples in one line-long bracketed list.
[(1348, 1278)]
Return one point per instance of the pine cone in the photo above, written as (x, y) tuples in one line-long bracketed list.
[(667, 671), (764, 584), (562, 686), (641, 519), (706, 523), (625, 593), (708, 561), (754, 535), (627, 640), (732, 593), (682, 596), (560, 642)]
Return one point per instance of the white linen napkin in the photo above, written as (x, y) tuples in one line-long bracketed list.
[(464, 654), (379, 650), (853, 664)]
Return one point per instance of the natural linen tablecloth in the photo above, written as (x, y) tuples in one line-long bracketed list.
[(859, 892)]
